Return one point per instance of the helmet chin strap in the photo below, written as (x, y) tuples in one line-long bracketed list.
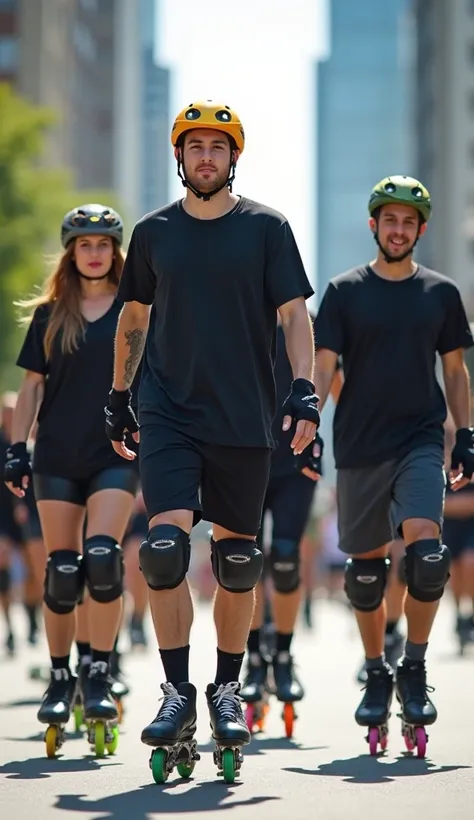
[(205, 196), (392, 259)]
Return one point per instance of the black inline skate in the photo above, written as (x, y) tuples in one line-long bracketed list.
[(287, 688), (172, 732), (229, 728), (100, 709), (373, 711), (55, 709), (254, 691), (417, 709)]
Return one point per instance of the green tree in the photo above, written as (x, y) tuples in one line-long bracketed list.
[(33, 200)]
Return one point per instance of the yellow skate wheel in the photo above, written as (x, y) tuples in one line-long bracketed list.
[(228, 765), (51, 738), (99, 744), (158, 765), (78, 718), (185, 770), (112, 746)]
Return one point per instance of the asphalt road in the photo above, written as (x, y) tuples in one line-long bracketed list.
[(324, 771)]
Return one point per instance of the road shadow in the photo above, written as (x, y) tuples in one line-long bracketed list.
[(15, 704), (141, 803), (260, 744), (42, 768), (366, 769)]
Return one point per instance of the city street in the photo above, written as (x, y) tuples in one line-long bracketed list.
[(325, 771)]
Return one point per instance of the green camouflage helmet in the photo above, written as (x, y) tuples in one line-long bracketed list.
[(404, 191)]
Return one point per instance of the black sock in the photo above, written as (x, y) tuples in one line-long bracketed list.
[(176, 664), (84, 651), (100, 657), (283, 642), (60, 663), (253, 643), (32, 610), (391, 627), (229, 665)]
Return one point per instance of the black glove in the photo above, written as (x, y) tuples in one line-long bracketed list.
[(302, 403), (463, 451), (17, 464), (307, 459), (119, 416)]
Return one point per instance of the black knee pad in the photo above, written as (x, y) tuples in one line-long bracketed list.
[(427, 565), (365, 581), (64, 581), (103, 568), (285, 565), (5, 580), (236, 563), (164, 556)]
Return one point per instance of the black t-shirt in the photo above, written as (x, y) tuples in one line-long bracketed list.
[(215, 286), (283, 460), (388, 333), (71, 440)]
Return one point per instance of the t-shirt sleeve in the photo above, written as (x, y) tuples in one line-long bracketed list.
[(32, 355), (456, 332), (328, 329), (138, 281), (285, 275)]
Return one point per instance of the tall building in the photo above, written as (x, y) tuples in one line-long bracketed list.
[(363, 134), (155, 127), (363, 128), (444, 129)]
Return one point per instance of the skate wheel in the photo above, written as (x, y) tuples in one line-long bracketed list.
[(384, 742), (112, 745), (249, 716), (228, 765), (78, 718), (99, 739), (185, 770), (373, 740), (421, 740), (51, 738), (288, 718), (158, 765), (409, 743)]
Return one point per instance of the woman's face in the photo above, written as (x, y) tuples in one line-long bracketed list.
[(93, 255)]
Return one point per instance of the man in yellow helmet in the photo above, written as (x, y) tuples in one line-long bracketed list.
[(388, 319), (217, 269)]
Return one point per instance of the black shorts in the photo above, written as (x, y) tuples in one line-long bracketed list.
[(223, 485), (138, 527), (458, 535), (289, 500), (55, 488)]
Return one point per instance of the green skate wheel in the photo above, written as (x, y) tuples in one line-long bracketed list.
[(228, 765), (185, 769), (78, 718), (112, 745), (99, 743), (158, 765)]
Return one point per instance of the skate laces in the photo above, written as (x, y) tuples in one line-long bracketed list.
[(59, 674), (227, 700), (98, 669), (172, 702), (417, 676)]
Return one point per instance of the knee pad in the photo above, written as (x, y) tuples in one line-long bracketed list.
[(236, 563), (164, 556), (285, 565), (427, 565), (103, 568), (365, 581), (5, 580), (64, 581)]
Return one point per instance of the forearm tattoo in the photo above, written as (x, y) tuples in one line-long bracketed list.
[(136, 342)]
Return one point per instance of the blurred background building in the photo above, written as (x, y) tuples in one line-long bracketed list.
[(92, 61)]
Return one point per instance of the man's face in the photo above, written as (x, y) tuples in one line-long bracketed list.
[(397, 228), (207, 158)]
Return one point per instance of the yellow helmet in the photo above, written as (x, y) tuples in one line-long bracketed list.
[(207, 114)]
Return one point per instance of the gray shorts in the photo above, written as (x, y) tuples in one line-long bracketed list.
[(373, 502)]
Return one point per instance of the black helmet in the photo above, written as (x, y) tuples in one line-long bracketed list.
[(90, 219)]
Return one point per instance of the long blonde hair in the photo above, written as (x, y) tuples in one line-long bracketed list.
[(62, 290)]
